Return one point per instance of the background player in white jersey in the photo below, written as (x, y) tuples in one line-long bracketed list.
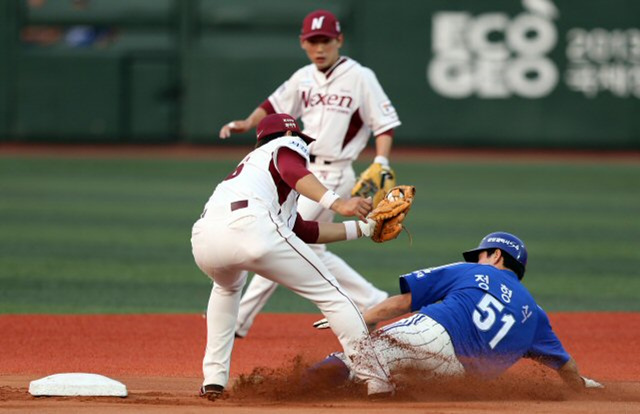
[(250, 224), (472, 318), (340, 103)]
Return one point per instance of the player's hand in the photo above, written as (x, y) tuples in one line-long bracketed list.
[(234, 127), (366, 227), (589, 383), (356, 206)]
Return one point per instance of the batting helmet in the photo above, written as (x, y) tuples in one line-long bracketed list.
[(508, 243)]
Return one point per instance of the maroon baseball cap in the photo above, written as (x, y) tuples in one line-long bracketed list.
[(274, 123), (320, 23)]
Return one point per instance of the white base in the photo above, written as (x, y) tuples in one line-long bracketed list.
[(77, 384)]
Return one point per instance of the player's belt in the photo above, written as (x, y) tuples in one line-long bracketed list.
[(314, 159), (323, 161), (237, 205)]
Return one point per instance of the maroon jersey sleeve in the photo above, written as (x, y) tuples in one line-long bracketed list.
[(387, 132), (266, 105), (308, 231), (292, 166)]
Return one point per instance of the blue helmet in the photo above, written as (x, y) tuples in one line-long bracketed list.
[(508, 243)]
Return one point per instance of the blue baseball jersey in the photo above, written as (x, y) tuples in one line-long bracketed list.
[(491, 317)]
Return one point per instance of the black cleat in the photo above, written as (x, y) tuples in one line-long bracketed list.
[(211, 391)]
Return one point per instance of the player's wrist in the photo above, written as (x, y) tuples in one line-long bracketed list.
[(355, 229), (351, 229), (328, 199), (381, 159)]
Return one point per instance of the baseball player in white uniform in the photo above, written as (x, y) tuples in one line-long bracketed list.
[(250, 224), (340, 103)]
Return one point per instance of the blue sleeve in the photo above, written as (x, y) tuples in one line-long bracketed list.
[(546, 347), (424, 285), (408, 284)]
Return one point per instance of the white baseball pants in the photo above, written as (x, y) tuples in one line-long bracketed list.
[(225, 244), (341, 179), (416, 343)]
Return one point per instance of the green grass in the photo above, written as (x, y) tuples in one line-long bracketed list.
[(111, 235)]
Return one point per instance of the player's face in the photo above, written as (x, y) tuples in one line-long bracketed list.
[(322, 51)]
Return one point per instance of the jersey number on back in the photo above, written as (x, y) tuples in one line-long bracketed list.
[(489, 305), (237, 171)]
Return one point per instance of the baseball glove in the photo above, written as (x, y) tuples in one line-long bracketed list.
[(374, 182), (391, 212)]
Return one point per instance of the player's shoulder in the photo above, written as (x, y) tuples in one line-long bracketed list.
[(289, 140), (362, 70), (353, 66), (294, 143), (302, 73), (474, 274), (488, 277), (309, 67), (305, 71), (542, 315), (466, 267), (450, 267)]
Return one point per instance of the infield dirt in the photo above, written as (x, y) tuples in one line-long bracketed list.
[(158, 357)]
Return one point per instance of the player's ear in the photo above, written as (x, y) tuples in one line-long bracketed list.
[(340, 39), (498, 257)]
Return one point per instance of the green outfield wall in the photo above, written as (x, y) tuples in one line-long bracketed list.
[(530, 73), (8, 43)]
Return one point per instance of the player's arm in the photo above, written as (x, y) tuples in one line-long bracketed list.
[(378, 178), (283, 100), (310, 187), (243, 125), (388, 309), (384, 142), (379, 115), (548, 350), (294, 172), (320, 232), (570, 375)]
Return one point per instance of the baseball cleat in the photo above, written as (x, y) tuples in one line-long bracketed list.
[(211, 391)]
